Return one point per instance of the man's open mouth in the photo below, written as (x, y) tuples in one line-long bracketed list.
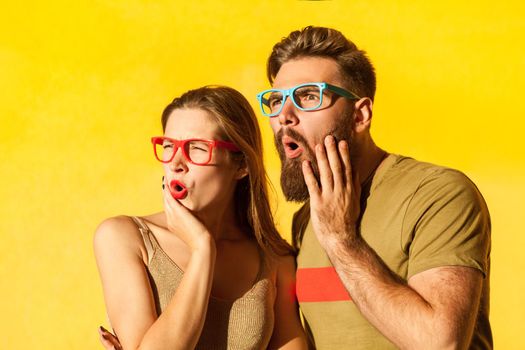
[(292, 149)]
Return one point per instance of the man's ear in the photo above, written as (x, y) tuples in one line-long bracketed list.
[(362, 114)]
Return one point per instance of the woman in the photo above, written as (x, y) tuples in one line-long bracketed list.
[(210, 271)]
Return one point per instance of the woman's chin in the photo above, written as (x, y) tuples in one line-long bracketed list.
[(204, 207), (192, 205)]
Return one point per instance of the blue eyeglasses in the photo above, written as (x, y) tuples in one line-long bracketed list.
[(306, 97)]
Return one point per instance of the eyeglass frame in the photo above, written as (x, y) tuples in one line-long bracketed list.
[(182, 143), (289, 92)]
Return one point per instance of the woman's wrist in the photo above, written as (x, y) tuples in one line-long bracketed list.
[(205, 245)]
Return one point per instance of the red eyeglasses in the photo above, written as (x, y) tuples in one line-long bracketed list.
[(196, 151)]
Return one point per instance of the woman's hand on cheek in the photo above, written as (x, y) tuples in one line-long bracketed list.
[(181, 221), (334, 202)]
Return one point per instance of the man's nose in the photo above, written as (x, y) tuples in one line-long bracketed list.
[(178, 163), (288, 114)]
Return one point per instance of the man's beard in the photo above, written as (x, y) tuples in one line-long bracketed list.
[(292, 179)]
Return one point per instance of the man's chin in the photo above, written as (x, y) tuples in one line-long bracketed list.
[(296, 195), (292, 181)]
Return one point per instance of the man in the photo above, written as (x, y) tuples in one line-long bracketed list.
[(392, 252)]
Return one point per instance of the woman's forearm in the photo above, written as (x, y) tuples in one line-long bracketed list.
[(180, 324)]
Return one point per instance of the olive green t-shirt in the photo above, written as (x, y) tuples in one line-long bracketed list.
[(415, 216)]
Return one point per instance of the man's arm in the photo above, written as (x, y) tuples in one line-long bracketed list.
[(436, 308)]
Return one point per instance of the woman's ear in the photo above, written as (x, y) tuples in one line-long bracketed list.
[(362, 114), (242, 171)]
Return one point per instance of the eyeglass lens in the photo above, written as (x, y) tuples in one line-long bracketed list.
[(307, 97), (197, 151)]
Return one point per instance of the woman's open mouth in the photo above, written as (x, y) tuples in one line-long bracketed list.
[(292, 149), (178, 190)]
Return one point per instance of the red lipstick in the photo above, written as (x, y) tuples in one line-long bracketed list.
[(178, 190)]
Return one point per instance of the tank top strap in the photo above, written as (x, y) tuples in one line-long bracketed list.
[(147, 236)]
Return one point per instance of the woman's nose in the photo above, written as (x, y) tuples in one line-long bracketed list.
[(178, 163)]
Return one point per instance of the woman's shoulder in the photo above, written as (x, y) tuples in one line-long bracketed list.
[(115, 227), (286, 264), (118, 232), (282, 266)]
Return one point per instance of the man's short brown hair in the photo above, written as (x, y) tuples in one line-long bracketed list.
[(357, 70)]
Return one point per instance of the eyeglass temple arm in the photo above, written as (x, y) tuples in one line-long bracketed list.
[(228, 145), (342, 92)]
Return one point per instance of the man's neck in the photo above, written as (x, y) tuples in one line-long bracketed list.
[(366, 162)]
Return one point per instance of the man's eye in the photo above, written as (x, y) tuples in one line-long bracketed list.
[(167, 145), (311, 97), (274, 101), (308, 95)]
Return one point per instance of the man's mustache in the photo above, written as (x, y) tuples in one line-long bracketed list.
[(299, 139)]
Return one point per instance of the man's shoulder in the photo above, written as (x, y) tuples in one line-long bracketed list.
[(407, 179), (415, 173), (430, 183), (405, 164)]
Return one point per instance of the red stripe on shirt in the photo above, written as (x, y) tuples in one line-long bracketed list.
[(320, 284)]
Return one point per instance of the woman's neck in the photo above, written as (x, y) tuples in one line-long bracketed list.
[(222, 224)]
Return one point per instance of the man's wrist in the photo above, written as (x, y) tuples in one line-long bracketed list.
[(347, 241)]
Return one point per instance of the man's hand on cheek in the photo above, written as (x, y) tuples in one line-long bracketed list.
[(334, 202)]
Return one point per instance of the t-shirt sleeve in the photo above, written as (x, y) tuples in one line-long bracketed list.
[(449, 224)]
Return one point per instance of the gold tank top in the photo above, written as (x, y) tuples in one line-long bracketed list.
[(244, 323)]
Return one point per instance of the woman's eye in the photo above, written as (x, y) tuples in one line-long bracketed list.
[(198, 148)]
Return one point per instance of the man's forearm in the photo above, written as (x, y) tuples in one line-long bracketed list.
[(398, 311)]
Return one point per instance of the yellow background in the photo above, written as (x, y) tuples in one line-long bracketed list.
[(82, 86)]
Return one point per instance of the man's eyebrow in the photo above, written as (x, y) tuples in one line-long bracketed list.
[(307, 88)]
